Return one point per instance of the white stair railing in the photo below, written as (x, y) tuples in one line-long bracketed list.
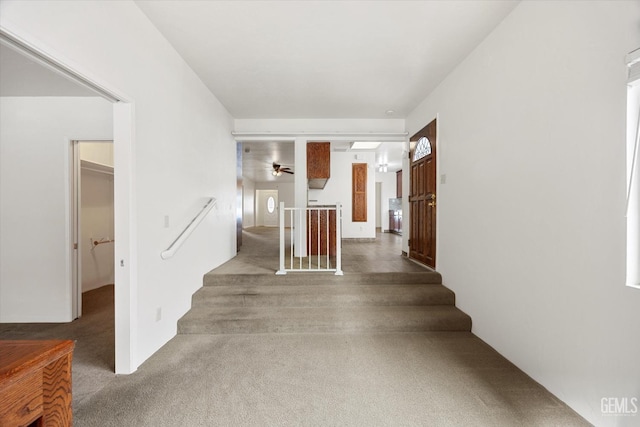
[(315, 239)]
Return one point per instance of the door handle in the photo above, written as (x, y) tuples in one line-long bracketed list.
[(431, 204)]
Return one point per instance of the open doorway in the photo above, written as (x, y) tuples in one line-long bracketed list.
[(259, 160), (93, 231), (49, 85)]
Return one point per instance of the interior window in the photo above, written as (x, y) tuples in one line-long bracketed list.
[(271, 204), (423, 148)]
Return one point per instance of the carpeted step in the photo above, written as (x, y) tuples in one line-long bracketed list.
[(257, 320), (323, 303), (322, 295), (404, 278)]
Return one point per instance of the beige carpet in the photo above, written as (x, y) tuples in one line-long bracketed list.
[(411, 379), (364, 379)]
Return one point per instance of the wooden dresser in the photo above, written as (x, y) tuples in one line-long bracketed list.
[(35, 383)]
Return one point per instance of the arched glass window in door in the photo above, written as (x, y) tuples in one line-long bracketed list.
[(271, 204), (423, 148)]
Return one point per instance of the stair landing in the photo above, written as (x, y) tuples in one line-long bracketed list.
[(323, 303), (381, 291)]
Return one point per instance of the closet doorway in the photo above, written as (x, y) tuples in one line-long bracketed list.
[(93, 219)]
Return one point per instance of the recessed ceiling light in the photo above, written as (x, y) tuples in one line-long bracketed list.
[(365, 145), (389, 112)]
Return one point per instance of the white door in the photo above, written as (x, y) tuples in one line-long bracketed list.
[(270, 206)]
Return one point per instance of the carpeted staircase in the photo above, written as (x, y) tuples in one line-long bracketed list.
[(322, 303)]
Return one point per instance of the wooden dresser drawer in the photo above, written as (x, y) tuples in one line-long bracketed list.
[(35, 383)]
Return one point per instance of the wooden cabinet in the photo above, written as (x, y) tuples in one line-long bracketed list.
[(399, 184), (35, 383), (318, 164), (321, 226)]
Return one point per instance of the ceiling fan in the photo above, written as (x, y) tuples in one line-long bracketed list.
[(279, 170)]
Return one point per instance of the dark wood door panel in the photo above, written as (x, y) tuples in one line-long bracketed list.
[(359, 192), (422, 198)]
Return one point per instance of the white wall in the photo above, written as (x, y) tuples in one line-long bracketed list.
[(96, 224), (181, 131), (388, 191), (96, 216), (338, 189), (320, 126), (248, 203), (531, 219), (100, 152), (260, 200), (35, 202)]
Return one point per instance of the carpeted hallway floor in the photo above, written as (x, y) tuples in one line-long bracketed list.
[(414, 379), (93, 356), (394, 379)]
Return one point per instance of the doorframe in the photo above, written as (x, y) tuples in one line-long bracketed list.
[(76, 221), (438, 183), (76, 256), (378, 209), (125, 304)]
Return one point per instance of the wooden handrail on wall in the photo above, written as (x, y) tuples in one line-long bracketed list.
[(182, 237)]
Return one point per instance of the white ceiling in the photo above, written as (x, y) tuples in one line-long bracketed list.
[(302, 59), (323, 59), (258, 159)]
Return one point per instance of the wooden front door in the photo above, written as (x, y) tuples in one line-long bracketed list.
[(422, 196)]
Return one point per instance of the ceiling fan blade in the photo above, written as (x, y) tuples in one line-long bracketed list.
[(286, 171)]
